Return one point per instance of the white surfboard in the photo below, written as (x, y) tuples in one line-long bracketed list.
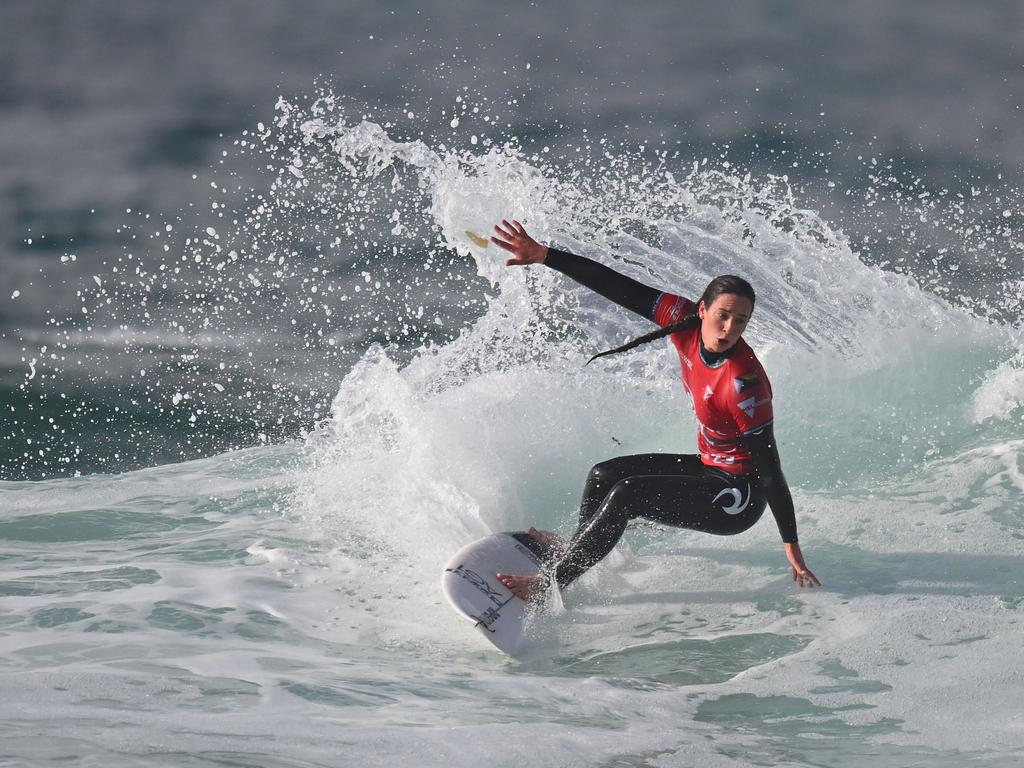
[(470, 584)]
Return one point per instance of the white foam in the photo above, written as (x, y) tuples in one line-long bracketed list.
[(1001, 394)]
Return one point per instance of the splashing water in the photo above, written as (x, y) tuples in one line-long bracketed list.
[(237, 335), (435, 395)]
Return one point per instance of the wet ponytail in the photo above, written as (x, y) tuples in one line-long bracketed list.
[(720, 286), (690, 321)]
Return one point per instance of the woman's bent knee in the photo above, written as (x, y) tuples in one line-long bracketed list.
[(601, 473), (621, 499)]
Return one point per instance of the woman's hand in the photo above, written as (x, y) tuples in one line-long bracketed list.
[(513, 238), (801, 573)]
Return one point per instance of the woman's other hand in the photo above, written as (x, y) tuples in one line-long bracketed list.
[(801, 573)]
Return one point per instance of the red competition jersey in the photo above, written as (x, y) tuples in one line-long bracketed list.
[(730, 400)]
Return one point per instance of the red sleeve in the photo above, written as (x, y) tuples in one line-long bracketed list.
[(670, 308), (750, 401)]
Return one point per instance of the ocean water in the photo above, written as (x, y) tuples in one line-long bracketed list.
[(248, 420)]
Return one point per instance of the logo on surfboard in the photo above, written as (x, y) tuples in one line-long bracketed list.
[(479, 582)]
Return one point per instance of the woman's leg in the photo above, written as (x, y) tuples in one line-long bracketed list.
[(600, 481), (604, 476), (691, 498)]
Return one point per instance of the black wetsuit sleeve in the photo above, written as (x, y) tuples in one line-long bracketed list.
[(624, 291), (767, 467)]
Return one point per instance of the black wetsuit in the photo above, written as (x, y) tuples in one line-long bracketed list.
[(675, 490)]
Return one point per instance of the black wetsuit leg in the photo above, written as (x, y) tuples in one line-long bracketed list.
[(676, 490), (603, 476)]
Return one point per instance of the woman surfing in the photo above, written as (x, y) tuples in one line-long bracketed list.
[(725, 487)]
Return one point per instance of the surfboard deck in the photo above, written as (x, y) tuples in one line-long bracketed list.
[(471, 586)]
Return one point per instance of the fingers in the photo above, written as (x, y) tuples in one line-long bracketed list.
[(511, 231), (511, 262), (507, 236), (507, 230), (805, 578), (510, 237)]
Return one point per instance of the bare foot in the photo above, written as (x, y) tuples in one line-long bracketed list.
[(525, 587)]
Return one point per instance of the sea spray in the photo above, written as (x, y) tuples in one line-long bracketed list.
[(239, 333), (496, 428)]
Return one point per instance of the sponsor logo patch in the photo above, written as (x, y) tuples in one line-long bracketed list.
[(739, 500), (750, 405), (746, 381), (676, 311)]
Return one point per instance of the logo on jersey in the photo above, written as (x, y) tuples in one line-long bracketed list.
[(676, 311), (739, 502), (708, 392), (746, 381), (750, 405), (686, 361)]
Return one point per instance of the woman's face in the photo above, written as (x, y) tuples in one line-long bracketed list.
[(722, 324)]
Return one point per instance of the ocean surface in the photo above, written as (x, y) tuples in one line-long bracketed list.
[(260, 379)]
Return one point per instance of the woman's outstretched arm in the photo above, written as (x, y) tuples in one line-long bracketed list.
[(624, 291)]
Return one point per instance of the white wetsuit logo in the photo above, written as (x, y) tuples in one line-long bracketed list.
[(737, 497)]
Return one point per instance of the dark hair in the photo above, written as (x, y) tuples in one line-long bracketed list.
[(720, 286)]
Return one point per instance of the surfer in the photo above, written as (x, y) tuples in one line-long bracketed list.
[(725, 488)]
